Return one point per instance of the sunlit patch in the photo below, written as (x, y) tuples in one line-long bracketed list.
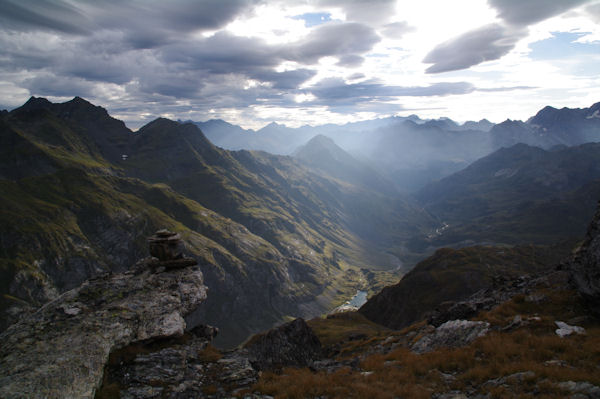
[(304, 97)]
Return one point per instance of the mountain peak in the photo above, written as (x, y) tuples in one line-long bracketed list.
[(35, 103), (80, 101), (319, 144)]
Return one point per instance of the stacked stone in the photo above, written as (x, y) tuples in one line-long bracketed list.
[(167, 247)]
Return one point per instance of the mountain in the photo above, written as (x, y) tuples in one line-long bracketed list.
[(413, 155), (273, 238), (226, 135), (412, 152), (569, 126), (484, 125), (517, 194), (323, 154), (551, 127)]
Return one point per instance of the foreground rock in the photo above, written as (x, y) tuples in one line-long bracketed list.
[(585, 267), (293, 344), (61, 350), (181, 367)]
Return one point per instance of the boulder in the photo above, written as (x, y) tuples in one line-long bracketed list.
[(564, 329), (292, 344)]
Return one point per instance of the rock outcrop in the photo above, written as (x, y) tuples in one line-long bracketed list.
[(180, 367), (61, 350), (584, 268), (292, 344), (454, 333)]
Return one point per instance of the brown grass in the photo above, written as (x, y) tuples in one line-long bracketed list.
[(401, 373)]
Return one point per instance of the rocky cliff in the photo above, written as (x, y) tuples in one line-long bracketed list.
[(61, 350)]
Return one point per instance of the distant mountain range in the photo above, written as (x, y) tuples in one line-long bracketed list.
[(413, 152)]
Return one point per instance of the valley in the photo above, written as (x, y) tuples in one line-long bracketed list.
[(286, 236)]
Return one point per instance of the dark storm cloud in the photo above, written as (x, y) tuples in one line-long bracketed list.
[(487, 43), (43, 15), (494, 41), (150, 24), (336, 90), (145, 20), (524, 13)]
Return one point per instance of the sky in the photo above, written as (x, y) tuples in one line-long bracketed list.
[(303, 61)]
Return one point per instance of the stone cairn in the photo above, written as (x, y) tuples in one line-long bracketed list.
[(166, 249)]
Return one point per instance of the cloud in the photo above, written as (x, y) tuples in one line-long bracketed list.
[(144, 23), (486, 43), (499, 89), (43, 15), (594, 12), (396, 30), (523, 13), (49, 84), (372, 12), (350, 60), (286, 80), (493, 41), (337, 90), (333, 39)]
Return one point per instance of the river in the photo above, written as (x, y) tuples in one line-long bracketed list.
[(353, 304)]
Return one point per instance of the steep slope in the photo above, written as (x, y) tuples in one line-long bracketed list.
[(274, 196), (517, 194)]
